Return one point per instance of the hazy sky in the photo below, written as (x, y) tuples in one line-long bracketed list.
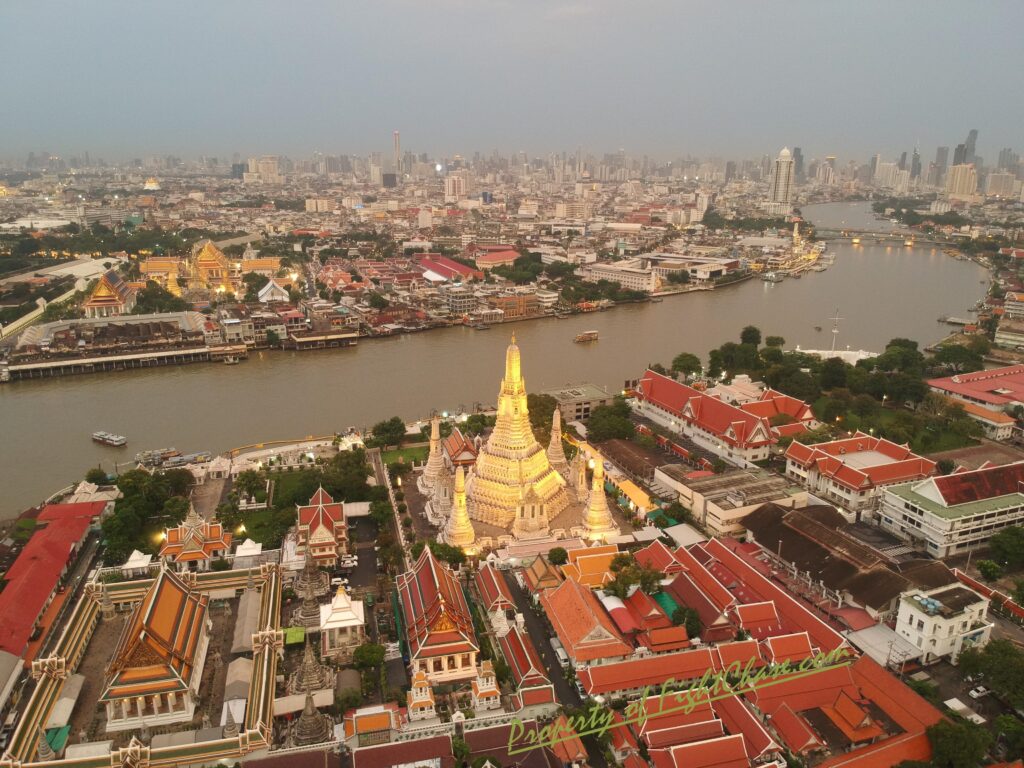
[(122, 78)]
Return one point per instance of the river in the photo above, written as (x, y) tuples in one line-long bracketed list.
[(880, 292)]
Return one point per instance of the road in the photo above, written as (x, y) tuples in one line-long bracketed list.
[(539, 631)]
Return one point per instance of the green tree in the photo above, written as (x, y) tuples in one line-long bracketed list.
[(558, 556), (774, 341), (249, 482), (833, 373), (368, 656), (350, 698), (1001, 663), (958, 745), (155, 298), (377, 300), (1011, 733), (542, 409), (751, 335), (689, 618), (388, 432), (686, 362), (989, 570), (96, 476), (273, 339), (954, 358), (1007, 547), (610, 421)]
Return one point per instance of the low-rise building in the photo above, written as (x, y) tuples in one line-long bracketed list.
[(995, 389), (944, 622), (577, 401), (951, 514), (322, 529), (342, 626), (851, 472), (111, 297), (1010, 334), (720, 502), (632, 274), (195, 544)]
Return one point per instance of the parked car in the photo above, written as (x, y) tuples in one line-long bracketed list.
[(563, 657), (977, 693)]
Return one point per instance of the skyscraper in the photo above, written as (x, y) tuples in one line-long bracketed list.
[(971, 146), (798, 164), (398, 156), (938, 170), (780, 188), (960, 154), (915, 165)]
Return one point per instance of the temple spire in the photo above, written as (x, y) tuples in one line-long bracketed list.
[(556, 453), (598, 520), (459, 531), (435, 461)]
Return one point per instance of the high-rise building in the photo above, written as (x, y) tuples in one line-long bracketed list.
[(398, 156), (1000, 184), (971, 145), (960, 154), (1008, 159), (961, 181), (454, 187), (915, 165), (730, 171), (938, 169), (798, 164), (780, 188), (903, 161), (885, 175)]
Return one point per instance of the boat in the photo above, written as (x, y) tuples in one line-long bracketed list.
[(156, 456), (108, 438), (817, 327), (773, 277), (231, 360), (657, 300), (908, 242), (855, 241), (586, 336), (481, 327)]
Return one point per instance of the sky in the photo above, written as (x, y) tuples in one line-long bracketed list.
[(668, 78)]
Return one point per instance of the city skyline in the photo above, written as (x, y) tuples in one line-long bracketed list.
[(215, 81)]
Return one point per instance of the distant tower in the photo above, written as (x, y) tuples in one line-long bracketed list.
[(780, 189), (398, 156), (971, 146), (798, 164)]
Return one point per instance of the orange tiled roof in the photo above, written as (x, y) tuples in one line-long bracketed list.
[(585, 629), (157, 649)]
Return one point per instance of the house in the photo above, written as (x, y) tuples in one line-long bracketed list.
[(995, 389), (951, 514), (437, 620), (852, 472), (943, 622), (996, 424), (322, 529), (273, 291), (584, 628)]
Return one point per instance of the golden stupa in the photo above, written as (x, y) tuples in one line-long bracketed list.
[(513, 472)]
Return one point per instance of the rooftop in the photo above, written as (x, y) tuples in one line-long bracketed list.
[(575, 392)]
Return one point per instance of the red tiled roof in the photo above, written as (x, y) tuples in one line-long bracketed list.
[(723, 752), (493, 589), (653, 671), (659, 557), (738, 718), (759, 619), (980, 484), (795, 647), (830, 460), (405, 752), (586, 631), (741, 652), (33, 577), (998, 386), (794, 731), (437, 617), (646, 611), (664, 639), (727, 422), (522, 659)]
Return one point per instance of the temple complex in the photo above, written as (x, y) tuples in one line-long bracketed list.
[(210, 269), (194, 544), (438, 623), (512, 470), (313, 578), (153, 677), (342, 626)]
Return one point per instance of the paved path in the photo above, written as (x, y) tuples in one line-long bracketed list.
[(539, 632)]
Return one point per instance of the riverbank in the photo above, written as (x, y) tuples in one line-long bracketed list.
[(48, 423)]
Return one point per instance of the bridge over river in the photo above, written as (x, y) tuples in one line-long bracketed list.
[(891, 236)]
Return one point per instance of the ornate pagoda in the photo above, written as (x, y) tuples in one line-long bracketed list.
[(312, 726), (310, 675), (512, 467), (459, 530), (598, 522)]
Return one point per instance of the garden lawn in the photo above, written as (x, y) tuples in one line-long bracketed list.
[(408, 455)]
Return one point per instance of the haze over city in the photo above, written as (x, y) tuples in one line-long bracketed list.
[(660, 77)]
